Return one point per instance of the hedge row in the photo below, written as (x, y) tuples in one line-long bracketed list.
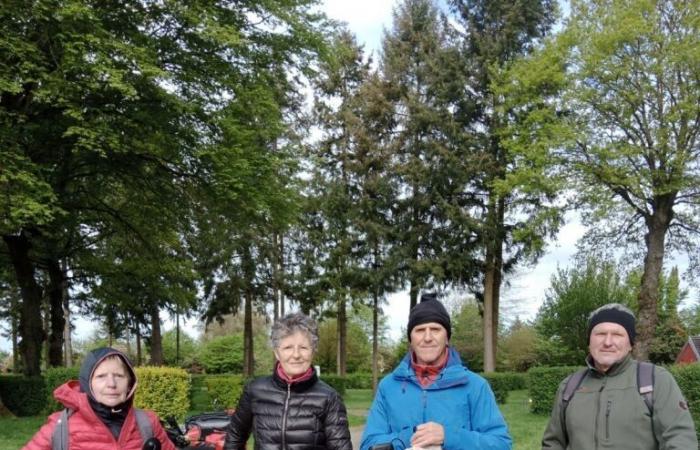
[(543, 383), (165, 390), (688, 378), (162, 389), (23, 396), (504, 382)]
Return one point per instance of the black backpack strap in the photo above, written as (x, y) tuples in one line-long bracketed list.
[(59, 437), (144, 423), (645, 383)]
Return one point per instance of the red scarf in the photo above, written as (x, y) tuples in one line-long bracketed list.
[(295, 379), (426, 374)]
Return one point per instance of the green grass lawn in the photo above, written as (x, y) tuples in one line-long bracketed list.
[(16, 432), (525, 428)]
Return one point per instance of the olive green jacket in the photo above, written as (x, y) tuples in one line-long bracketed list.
[(607, 412)]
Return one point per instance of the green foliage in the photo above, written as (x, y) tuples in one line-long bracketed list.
[(224, 390), (690, 317), (500, 384), (688, 379), (188, 348), (670, 335), (53, 378), (358, 380), (518, 348), (359, 350), (336, 382), (543, 383), (562, 321), (223, 354), (467, 335), (164, 390), (23, 396), (199, 395)]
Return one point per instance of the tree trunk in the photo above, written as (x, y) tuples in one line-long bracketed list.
[(139, 355), (30, 323), (282, 275), (57, 324), (15, 342), (248, 361), (375, 341), (277, 275), (67, 331), (342, 337), (248, 266), (488, 320), (657, 227), (156, 338), (177, 337)]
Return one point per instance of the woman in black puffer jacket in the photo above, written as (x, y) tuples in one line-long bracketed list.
[(291, 409)]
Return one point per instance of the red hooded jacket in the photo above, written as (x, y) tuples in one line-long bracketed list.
[(87, 432)]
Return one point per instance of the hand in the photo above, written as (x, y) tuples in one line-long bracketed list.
[(427, 434)]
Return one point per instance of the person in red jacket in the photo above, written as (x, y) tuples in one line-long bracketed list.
[(101, 404)]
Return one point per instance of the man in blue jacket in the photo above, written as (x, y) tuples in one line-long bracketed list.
[(431, 400)]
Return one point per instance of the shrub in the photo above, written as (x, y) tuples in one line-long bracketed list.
[(688, 378), (223, 354), (504, 382), (359, 380), (336, 382), (224, 390), (165, 390), (23, 396), (199, 396), (543, 383), (53, 378)]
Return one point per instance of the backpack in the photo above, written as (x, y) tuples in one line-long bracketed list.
[(59, 437), (645, 384)]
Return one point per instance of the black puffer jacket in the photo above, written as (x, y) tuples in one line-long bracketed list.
[(308, 415)]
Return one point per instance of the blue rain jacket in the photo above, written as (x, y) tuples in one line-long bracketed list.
[(460, 400)]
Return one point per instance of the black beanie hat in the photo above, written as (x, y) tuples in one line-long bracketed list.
[(609, 313), (429, 310)]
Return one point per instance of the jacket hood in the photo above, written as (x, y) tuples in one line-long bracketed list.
[(70, 395), (93, 359)]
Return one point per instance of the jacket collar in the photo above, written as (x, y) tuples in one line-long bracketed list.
[(296, 386), (615, 369), (454, 372)]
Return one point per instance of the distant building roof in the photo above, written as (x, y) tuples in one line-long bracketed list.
[(694, 342)]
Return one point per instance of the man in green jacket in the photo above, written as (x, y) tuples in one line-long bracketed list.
[(607, 409)]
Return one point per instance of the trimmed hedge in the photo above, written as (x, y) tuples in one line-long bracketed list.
[(224, 390), (336, 382), (504, 382), (543, 383), (23, 396), (53, 378), (688, 378), (199, 396), (164, 390), (359, 380)]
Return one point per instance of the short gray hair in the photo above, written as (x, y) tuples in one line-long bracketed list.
[(617, 306), (290, 324)]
